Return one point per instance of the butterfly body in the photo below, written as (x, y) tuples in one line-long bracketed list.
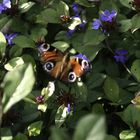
[(61, 65)]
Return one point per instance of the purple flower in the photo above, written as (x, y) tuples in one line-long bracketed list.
[(70, 32), (82, 25), (10, 37), (96, 24), (107, 15), (69, 108), (120, 56), (4, 5), (81, 56), (75, 8), (40, 99)]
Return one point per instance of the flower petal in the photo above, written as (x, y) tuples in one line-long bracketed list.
[(96, 24), (7, 3)]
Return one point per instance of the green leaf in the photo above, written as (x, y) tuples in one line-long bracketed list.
[(81, 91), (91, 127), (95, 80), (131, 115), (13, 63), (48, 91), (26, 6), (135, 22), (15, 85), (38, 33), (61, 115), (84, 3), (110, 66), (61, 45), (15, 51), (48, 16), (93, 37), (125, 25), (29, 59), (62, 8), (127, 134), (98, 109), (19, 25), (6, 134), (59, 134), (61, 36), (110, 137), (30, 112), (2, 45), (91, 51), (93, 96), (24, 42), (34, 129), (135, 69), (20, 136), (111, 89), (109, 5), (3, 22), (125, 97), (126, 3)]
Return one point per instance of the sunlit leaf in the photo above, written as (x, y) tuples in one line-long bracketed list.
[(15, 85), (131, 115), (26, 6), (34, 129), (6, 134), (135, 23), (13, 63), (2, 44), (61, 45), (135, 68), (127, 134), (61, 115), (95, 128)]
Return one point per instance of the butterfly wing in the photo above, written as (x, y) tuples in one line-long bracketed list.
[(75, 68), (52, 59)]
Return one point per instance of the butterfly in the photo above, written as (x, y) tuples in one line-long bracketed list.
[(62, 65)]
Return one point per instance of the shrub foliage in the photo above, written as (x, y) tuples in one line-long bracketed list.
[(103, 103)]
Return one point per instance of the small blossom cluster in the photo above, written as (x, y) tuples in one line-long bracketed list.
[(77, 10), (40, 99), (105, 20)]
